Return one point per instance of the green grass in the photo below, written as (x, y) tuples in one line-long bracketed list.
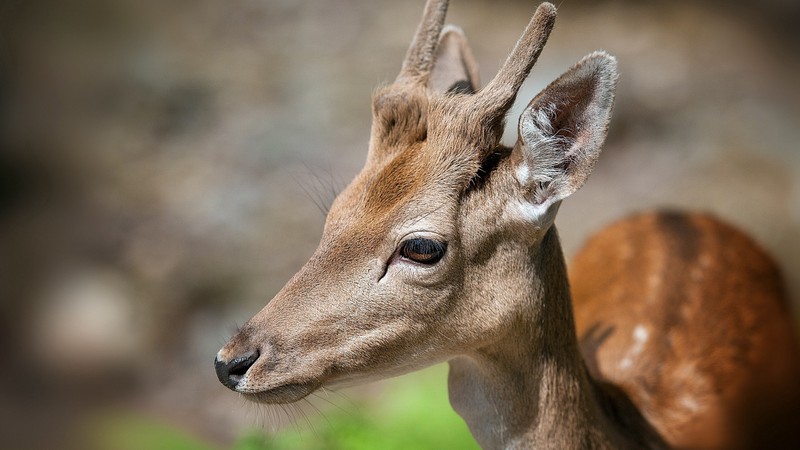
[(125, 432), (411, 413)]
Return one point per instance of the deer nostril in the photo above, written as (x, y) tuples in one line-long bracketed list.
[(230, 373)]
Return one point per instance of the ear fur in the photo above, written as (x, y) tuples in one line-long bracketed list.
[(454, 69), (562, 130)]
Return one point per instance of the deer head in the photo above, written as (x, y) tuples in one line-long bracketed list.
[(419, 252)]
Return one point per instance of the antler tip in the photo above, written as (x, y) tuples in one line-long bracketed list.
[(547, 7), (419, 58), (545, 14)]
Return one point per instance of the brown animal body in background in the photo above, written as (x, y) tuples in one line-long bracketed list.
[(688, 316), (443, 248)]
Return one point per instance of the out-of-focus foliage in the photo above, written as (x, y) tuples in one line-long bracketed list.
[(412, 412), (127, 432)]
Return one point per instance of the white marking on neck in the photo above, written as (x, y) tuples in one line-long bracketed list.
[(640, 337)]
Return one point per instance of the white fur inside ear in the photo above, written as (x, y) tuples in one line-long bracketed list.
[(547, 151), (562, 130)]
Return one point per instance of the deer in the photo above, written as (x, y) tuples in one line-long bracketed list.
[(670, 330)]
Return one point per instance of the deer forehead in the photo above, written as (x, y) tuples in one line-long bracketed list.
[(422, 156), (416, 186)]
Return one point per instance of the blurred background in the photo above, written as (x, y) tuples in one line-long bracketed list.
[(164, 164)]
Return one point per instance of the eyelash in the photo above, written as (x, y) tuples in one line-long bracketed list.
[(423, 251)]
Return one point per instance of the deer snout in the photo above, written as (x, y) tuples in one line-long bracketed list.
[(231, 371)]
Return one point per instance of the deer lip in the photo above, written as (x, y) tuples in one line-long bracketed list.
[(285, 393)]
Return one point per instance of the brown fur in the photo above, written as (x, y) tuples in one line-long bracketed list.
[(719, 367)]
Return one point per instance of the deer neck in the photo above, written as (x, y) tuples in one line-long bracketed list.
[(530, 388)]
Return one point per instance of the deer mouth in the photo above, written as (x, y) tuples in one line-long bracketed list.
[(286, 393)]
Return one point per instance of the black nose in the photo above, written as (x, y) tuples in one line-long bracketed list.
[(230, 373)]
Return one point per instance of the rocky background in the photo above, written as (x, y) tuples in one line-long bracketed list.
[(164, 164)]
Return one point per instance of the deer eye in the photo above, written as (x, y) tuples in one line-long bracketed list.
[(423, 251)]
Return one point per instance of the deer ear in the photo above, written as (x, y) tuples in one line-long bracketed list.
[(562, 131), (454, 69)]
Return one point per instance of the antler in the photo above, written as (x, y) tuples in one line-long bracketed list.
[(490, 105), (420, 56), (499, 95)]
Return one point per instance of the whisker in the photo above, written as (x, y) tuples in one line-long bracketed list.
[(350, 402), (317, 185), (319, 414), (311, 196), (328, 401), (305, 418), (290, 413), (323, 190)]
